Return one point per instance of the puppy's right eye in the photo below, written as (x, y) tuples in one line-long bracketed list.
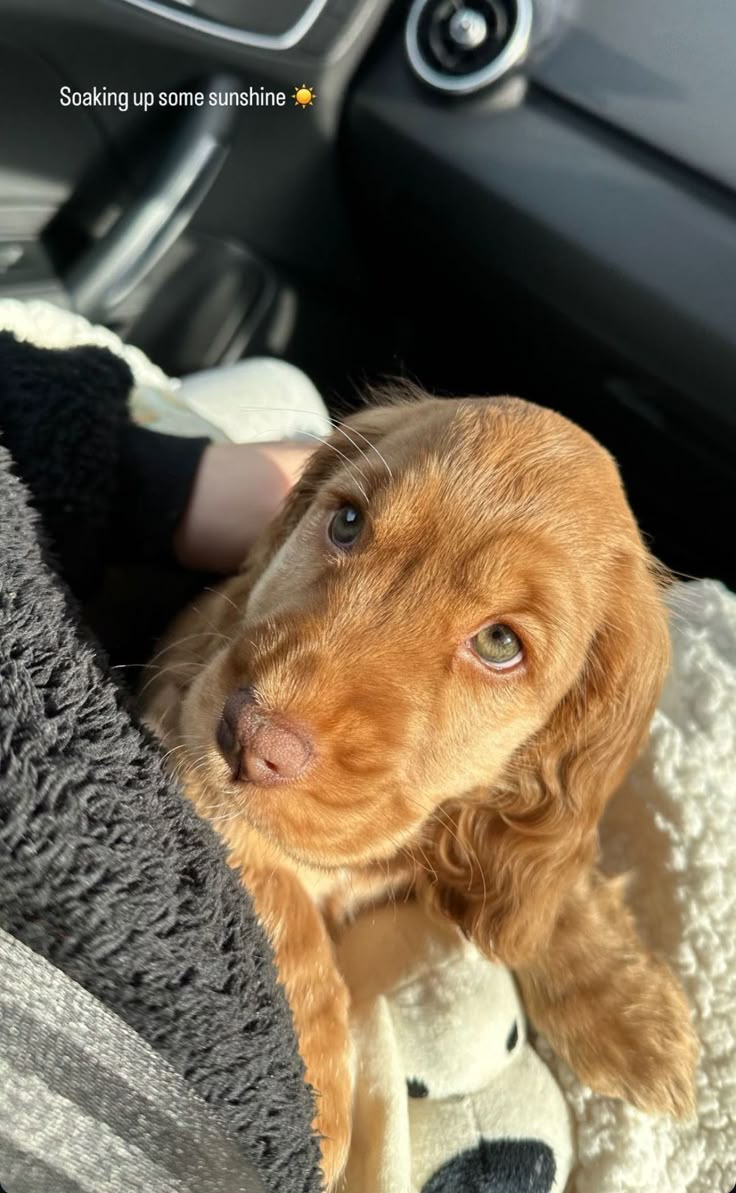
[(498, 646), (346, 526)]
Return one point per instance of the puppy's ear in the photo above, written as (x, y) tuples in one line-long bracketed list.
[(507, 861), (352, 444)]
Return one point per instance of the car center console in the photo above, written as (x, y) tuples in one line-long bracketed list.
[(313, 28), (129, 195), (252, 22), (584, 150)]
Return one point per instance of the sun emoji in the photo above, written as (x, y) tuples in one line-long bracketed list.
[(304, 96)]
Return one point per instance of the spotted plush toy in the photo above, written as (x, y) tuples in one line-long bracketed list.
[(450, 1095)]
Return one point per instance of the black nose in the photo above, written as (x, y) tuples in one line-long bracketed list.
[(497, 1166)]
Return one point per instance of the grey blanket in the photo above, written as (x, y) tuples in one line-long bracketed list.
[(106, 872)]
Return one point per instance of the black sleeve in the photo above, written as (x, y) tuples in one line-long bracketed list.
[(156, 477), (106, 491)]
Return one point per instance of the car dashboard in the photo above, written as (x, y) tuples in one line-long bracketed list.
[(598, 173)]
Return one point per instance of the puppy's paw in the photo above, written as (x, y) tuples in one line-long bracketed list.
[(329, 1074), (640, 1045), (333, 1125)]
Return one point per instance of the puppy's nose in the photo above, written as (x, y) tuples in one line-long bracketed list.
[(260, 746)]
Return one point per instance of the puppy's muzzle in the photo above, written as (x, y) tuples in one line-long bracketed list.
[(260, 746)]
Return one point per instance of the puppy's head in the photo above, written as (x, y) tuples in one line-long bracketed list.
[(452, 635)]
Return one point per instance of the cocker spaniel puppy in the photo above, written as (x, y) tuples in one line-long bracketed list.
[(429, 678)]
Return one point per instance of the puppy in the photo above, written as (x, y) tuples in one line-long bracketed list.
[(431, 674)]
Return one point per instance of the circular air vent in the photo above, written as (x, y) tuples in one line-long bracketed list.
[(460, 47)]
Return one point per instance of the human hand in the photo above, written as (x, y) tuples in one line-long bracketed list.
[(238, 489)]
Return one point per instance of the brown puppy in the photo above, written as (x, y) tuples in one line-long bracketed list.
[(431, 675)]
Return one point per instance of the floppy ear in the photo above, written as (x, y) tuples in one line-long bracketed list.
[(507, 859), (349, 444)]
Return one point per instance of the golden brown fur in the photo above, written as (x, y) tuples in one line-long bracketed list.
[(479, 791)]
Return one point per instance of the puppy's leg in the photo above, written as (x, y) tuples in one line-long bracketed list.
[(319, 1003), (615, 1013)]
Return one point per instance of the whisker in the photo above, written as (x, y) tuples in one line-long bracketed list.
[(180, 642), (209, 808), (224, 819), (337, 425), (213, 631), (352, 466), (181, 746), (199, 665), (218, 592), (340, 427)]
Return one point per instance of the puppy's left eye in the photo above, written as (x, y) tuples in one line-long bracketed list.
[(346, 526), (498, 646)]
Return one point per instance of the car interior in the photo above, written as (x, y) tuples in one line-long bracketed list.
[(481, 197), (491, 197)]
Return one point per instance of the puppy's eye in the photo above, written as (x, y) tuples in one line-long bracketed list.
[(346, 526), (498, 646)]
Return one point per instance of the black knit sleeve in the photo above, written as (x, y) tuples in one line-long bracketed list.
[(156, 477), (106, 491)]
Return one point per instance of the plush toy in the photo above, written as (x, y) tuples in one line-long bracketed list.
[(450, 1096)]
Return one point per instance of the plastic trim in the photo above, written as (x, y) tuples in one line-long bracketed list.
[(262, 41)]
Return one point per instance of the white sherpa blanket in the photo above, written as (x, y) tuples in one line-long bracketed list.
[(251, 401), (674, 825)]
